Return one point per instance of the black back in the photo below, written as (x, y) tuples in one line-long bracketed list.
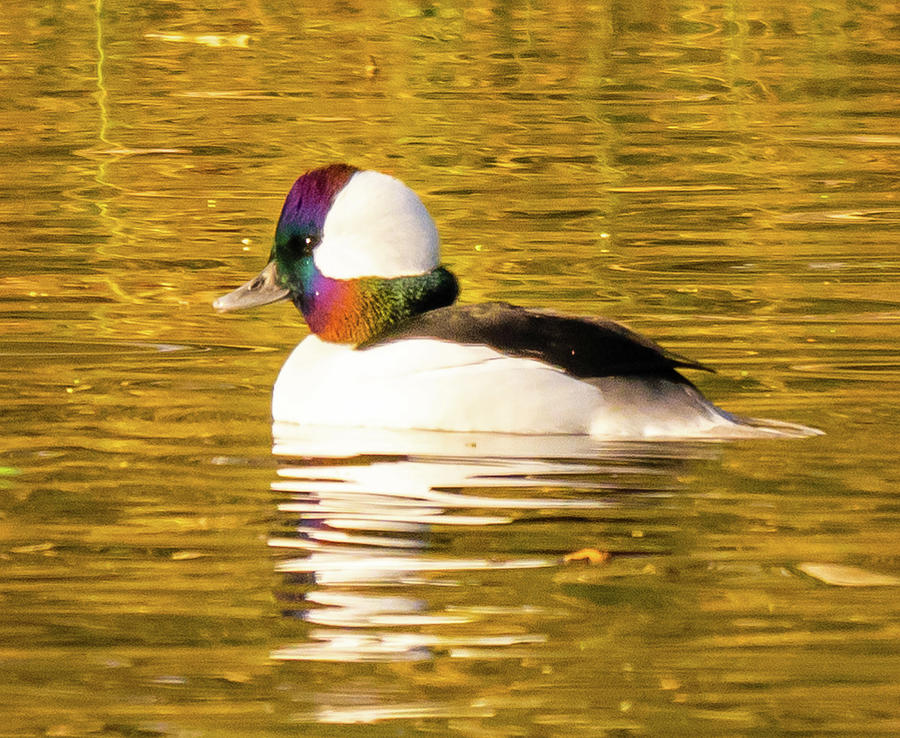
[(582, 347)]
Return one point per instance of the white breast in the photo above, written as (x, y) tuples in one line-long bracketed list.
[(437, 385), (428, 384)]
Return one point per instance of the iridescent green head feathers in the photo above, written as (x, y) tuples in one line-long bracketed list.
[(356, 251)]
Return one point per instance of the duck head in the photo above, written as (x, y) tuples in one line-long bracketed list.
[(356, 251)]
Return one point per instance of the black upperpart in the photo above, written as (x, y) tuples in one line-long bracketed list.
[(583, 347)]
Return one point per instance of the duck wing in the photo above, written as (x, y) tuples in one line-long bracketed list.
[(582, 347)]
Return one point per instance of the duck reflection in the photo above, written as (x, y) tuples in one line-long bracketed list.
[(406, 546)]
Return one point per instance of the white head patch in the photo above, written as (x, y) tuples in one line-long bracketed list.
[(377, 227)]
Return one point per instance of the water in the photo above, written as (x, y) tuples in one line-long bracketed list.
[(720, 178)]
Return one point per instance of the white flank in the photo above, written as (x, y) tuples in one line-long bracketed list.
[(428, 384)]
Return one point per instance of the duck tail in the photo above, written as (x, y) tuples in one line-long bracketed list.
[(760, 427)]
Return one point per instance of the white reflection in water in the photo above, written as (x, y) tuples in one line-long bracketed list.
[(418, 711), (363, 514)]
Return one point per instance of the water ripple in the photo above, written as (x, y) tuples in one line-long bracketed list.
[(376, 573)]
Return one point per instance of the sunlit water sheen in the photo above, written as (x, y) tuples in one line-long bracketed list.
[(720, 178)]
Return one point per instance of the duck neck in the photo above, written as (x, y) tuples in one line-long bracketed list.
[(357, 311)]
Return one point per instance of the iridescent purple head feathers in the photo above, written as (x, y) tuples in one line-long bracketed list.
[(357, 253), (308, 202)]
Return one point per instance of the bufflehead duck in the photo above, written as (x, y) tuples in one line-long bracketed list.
[(358, 254)]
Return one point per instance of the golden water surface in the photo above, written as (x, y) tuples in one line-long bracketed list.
[(722, 177)]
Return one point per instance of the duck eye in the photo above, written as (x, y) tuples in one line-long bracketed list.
[(308, 243), (302, 245)]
